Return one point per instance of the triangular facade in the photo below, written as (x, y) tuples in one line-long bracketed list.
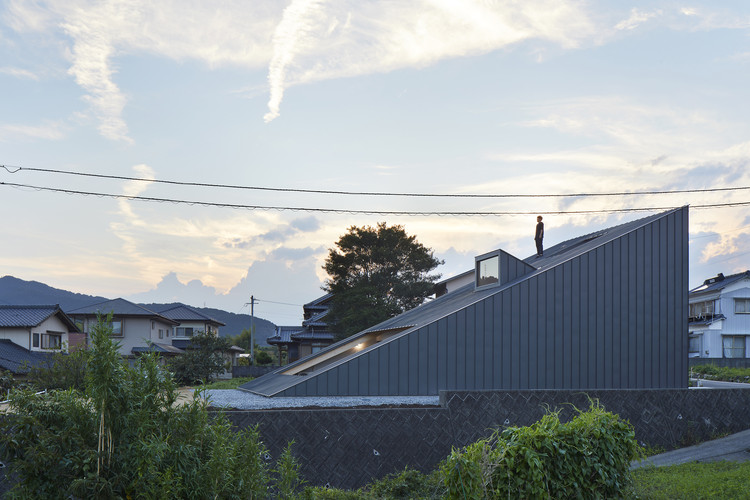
[(602, 311)]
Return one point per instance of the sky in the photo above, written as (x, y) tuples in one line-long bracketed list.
[(550, 97)]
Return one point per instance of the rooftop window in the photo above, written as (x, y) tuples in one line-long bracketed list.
[(487, 270)]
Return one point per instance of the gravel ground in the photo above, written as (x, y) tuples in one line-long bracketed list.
[(241, 400)]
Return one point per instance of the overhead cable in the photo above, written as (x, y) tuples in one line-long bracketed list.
[(365, 212), (14, 169)]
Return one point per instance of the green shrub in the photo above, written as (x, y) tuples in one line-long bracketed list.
[(587, 457), (61, 371), (408, 484), (125, 438)]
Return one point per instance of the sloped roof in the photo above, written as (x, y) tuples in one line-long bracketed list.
[(720, 282), (182, 312), (313, 335), (283, 335), (316, 319), (18, 359), (276, 381), (120, 307), (319, 302), (32, 315), (160, 348)]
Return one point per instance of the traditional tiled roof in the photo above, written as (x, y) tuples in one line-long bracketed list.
[(32, 315), (283, 335), (19, 360), (319, 302), (160, 348), (720, 282), (316, 319), (119, 307), (313, 335), (182, 312)]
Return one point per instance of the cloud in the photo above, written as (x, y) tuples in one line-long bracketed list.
[(319, 40), (18, 73), (637, 17), (233, 32), (14, 132)]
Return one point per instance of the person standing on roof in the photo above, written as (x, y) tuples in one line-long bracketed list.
[(539, 236)]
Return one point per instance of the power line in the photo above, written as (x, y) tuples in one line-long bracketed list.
[(15, 169), (366, 212)]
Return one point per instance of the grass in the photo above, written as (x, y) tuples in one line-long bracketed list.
[(726, 480), (726, 374), (228, 384)]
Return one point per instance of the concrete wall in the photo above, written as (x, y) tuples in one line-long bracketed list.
[(348, 448)]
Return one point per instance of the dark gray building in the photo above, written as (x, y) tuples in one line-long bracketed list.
[(601, 311)]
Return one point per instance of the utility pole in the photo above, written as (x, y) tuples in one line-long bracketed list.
[(252, 329)]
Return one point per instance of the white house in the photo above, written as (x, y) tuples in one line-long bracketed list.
[(719, 317), (134, 327), (29, 333)]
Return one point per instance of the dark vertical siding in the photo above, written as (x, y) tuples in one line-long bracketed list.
[(613, 317)]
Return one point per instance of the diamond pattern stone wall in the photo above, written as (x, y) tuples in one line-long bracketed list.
[(347, 448)]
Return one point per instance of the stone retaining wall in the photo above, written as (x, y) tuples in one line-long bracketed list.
[(347, 448)]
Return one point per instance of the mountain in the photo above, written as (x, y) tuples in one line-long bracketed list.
[(14, 291)]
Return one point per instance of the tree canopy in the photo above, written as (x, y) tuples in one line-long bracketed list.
[(376, 273)]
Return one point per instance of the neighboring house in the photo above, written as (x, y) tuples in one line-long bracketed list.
[(192, 321), (136, 328), (607, 310), (29, 334), (310, 338), (719, 317)]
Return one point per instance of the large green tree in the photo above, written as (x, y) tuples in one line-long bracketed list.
[(374, 274)]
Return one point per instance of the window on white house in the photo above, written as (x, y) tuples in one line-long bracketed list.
[(742, 306), (694, 345), (734, 346), (35, 342), (488, 271), (51, 341), (184, 332), (161, 333), (702, 309), (117, 327)]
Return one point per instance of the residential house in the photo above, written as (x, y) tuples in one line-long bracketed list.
[(719, 317), (29, 334), (311, 337), (134, 327), (606, 310), (192, 321)]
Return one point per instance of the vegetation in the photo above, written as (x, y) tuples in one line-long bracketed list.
[(376, 273), (726, 374), (231, 383), (693, 481), (548, 459), (124, 438), (202, 361), (61, 371)]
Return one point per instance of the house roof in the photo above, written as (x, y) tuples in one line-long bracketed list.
[(160, 348), (182, 312), (18, 359), (316, 319), (32, 315), (283, 335), (720, 282), (429, 312), (312, 335), (120, 307), (319, 302)]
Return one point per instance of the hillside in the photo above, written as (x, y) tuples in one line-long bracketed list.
[(14, 291)]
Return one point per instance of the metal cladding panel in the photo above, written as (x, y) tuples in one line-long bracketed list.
[(612, 316)]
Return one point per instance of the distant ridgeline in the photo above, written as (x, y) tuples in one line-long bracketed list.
[(14, 291)]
